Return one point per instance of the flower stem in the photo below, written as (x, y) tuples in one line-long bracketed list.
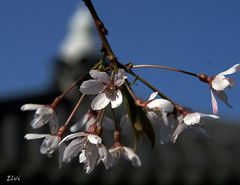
[(102, 31), (82, 78), (74, 110), (166, 67)]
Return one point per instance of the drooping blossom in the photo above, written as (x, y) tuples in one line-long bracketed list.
[(43, 114), (127, 153), (89, 148), (191, 120), (159, 113), (49, 144), (219, 83), (106, 89)]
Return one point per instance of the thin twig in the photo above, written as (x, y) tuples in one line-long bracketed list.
[(166, 67)]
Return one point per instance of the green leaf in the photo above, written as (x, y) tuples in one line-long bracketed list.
[(139, 119)]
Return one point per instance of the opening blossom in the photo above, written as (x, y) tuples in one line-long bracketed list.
[(90, 149), (106, 89), (43, 114), (219, 83), (49, 144), (190, 120), (127, 153), (159, 111)]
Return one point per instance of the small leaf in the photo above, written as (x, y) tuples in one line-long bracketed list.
[(139, 119)]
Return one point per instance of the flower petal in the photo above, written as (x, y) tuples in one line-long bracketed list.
[(232, 70), (222, 96), (80, 124), (130, 155), (100, 76), (214, 103), (153, 95), (44, 110), (120, 77), (40, 120), (73, 149), (94, 139), (209, 115), (49, 144), (91, 153), (116, 99), (192, 119), (82, 157), (31, 107), (161, 105), (180, 128), (91, 87), (105, 156), (35, 136), (71, 136), (219, 83), (100, 101)]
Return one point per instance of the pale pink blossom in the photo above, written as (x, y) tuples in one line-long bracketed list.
[(106, 89), (219, 83), (191, 120), (160, 114), (43, 114), (127, 153), (90, 149), (49, 144)]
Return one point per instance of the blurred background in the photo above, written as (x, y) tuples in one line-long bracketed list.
[(45, 46)]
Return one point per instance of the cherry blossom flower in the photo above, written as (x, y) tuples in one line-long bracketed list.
[(159, 113), (219, 83), (49, 144), (191, 120), (44, 114), (90, 149), (106, 89), (127, 153)]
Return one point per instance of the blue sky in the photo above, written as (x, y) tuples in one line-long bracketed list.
[(199, 36)]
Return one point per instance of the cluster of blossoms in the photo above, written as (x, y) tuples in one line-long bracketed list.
[(111, 92), (112, 87)]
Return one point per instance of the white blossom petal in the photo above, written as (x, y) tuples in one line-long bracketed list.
[(232, 70), (116, 99), (82, 157), (219, 83), (180, 128), (71, 136), (209, 115), (132, 156), (49, 144), (44, 110), (214, 103), (120, 77), (94, 139), (100, 101), (222, 96), (105, 156), (27, 107), (192, 119), (40, 120), (73, 149), (35, 136), (91, 87), (161, 105), (100, 76), (153, 95)]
